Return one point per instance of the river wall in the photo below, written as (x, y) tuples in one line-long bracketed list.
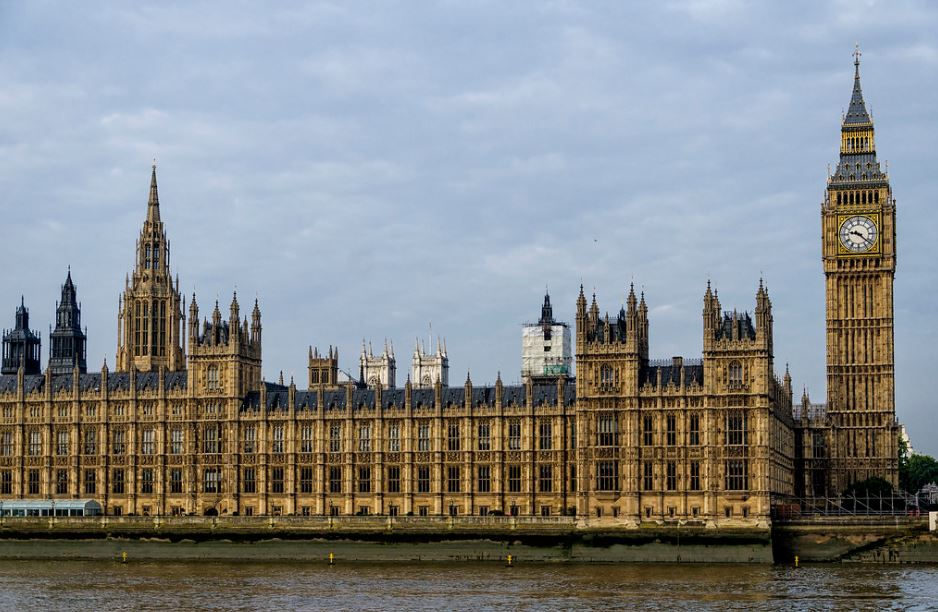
[(526, 540), (855, 539)]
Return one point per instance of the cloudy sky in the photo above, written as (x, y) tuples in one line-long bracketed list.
[(369, 168)]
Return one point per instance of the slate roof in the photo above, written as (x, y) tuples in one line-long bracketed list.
[(89, 383), (671, 374), (743, 324)]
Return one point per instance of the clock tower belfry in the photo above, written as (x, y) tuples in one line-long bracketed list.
[(859, 252)]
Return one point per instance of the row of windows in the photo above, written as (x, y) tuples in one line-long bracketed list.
[(736, 434), (735, 426), (736, 478)]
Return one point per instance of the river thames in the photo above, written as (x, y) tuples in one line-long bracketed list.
[(101, 585)]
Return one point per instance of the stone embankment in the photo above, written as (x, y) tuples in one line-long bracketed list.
[(374, 538), (526, 539), (855, 539)]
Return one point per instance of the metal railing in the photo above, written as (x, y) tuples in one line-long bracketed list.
[(869, 505)]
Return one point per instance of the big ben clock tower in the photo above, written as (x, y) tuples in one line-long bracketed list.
[(859, 250)]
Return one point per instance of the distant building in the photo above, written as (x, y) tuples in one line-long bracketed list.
[(546, 348), (377, 369), (67, 340), (21, 345), (428, 369)]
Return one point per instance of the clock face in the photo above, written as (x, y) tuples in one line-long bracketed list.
[(858, 234)]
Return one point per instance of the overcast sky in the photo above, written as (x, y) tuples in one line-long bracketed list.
[(369, 168)]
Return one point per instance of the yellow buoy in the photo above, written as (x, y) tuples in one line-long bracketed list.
[(124, 557), (796, 560), (331, 559), (509, 560)]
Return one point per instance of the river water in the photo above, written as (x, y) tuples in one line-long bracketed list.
[(103, 585)]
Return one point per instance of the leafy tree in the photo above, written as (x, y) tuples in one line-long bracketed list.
[(919, 471)]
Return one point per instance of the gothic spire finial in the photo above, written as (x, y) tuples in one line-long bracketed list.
[(153, 204), (857, 113)]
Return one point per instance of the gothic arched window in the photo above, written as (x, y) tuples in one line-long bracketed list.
[(735, 373)]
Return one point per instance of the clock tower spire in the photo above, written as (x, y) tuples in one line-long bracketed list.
[(859, 253)]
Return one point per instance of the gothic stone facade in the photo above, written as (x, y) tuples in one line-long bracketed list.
[(631, 440)]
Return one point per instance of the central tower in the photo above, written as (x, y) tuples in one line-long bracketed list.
[(859, 250), (149, 333)]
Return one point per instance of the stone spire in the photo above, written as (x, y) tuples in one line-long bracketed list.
[(153, 204)]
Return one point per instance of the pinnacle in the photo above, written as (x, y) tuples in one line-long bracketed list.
[(153, 204)]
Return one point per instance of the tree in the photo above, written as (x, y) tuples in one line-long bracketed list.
[(918, 471)]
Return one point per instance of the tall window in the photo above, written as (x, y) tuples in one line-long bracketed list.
[(394, 437), (735, 373), (175, 480), (648, 430), (423, 436), (671, 476), (573, 433), (212, 378), (335, 479), (694, 430), (452, 436), (250, 439), (514, 434), (6, 482), (176, 441), (545, 479), (91, 440), (605, 375), (306, 438), (211, 479), (147, 443), (306, 480), (545, 435), (118, 446), (671, 433), (61, 482), (737, 475), (249, 481), (32, 481), (364, 480), (276, 480), (277, 446), (61, 443), (485, 435), (117, 481), (394, 479), (364, 438), (35, 443), (607, 476), (648, 476), (211, 443), (146, 480), (736, 428), (514, 478), (6, 443), (485, 478), (423, 479), (694, 475), (608, 430), (335, 438), (90, 482), (453, 479)]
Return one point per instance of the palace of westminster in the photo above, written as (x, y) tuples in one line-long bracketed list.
[(184, 424)]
